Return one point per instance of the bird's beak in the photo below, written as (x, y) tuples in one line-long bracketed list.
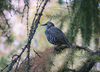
[(43, 24)]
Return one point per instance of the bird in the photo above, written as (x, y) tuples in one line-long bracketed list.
[(54, 35)]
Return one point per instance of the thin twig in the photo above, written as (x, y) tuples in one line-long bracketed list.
[(71, 31), (5, 67), (84, 48), (70, 20), (27, 21), (37, 53), (37, 9), (22, 62), (28, 57), (16, 69), (5, 19)]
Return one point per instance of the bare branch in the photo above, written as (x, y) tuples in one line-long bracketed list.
[(37, 53), (60, 48), (5, 19), (84, 48), (32, 32)]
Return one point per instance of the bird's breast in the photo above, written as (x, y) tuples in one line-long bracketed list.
[(52, 39)]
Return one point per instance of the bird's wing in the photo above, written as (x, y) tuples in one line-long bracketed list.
[(60, 36)]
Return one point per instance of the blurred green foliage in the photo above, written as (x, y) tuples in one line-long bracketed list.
[(3, 62), (60, 1), (10, 39), (86, 19)]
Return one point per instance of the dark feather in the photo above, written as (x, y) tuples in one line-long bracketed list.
[(59, 35)]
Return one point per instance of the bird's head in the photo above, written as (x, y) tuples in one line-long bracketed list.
[(48, 25)]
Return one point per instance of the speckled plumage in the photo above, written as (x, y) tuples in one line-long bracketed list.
[(54, 35)]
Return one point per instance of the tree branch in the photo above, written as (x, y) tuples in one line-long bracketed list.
[(32, 32), (60, 48)]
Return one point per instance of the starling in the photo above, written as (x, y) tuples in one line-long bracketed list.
[(54, 35)]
